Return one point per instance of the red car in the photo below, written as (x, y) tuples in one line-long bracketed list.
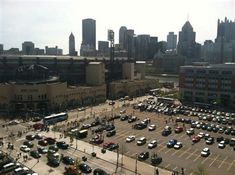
[(179, 129), (196, 139), (107, 145)]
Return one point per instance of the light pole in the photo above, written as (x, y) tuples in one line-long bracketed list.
[(136, 164), (117, 159)]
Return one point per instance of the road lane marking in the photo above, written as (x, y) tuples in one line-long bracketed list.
[(191, 154), (214, 160), (223, 162), (206, 159), (167, 165), (197, 158), (184, 152), (169, 149), (230, 166)]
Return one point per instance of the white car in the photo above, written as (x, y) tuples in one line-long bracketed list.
[(201, 135), (152, 144), (190, 131), (205, 152), (152, 127), (24, 148), (178, 145), (141, 141), (130, 138), (221, 144)]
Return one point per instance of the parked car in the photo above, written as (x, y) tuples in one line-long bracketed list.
[(171, 143), (155, 159), (152, 144), (24, 148), (152, 127), (179, 129), (143, 156), (68, 160), (35, 154), (99, 171), (111, 133), (221, 144), (196, 139), (84, 168), (130, 138), (28, 144), (178, 145), (62, 145), (205, 152), (141, 141)]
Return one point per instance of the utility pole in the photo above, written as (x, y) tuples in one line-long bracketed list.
[(117, 159), (136, 164)]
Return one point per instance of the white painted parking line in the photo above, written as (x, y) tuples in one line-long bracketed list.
[(223, 162), (169, 149), (214, 160), (206, 159), (197, 158), (163, 147), (176, 151), (167, 165), (230, 166), (184, 152), (20, 139), (182, 136), (191, 154)]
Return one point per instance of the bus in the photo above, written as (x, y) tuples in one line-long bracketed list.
[(54, 118), (82, 134), (166, 100)]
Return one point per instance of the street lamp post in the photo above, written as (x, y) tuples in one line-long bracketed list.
[(136, 164)]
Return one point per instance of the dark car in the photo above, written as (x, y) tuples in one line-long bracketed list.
[(30, 137), (139, 126), (155, 160), (50, 140), (111, 133), (210, 140), (124, 117), (35, 154), (171, 143), (132, 119), (62, 145), (68, 160), (166, 132), (143, 156), (99, 129), (110, 127), (113, 147), (95, 123), (42, 142), (219, 139), (28, 144), (54, 162), (84, 168), (99, 171), (54, 148)]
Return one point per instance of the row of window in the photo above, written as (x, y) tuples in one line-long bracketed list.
[(30, 97)]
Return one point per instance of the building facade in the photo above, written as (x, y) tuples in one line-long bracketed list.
[(53, 50), (171, 41), (123, 37), (211, 84), (1, 49), (103, 48), (27, 48)]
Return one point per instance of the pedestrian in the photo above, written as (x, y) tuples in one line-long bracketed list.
[(182, 171), (157, 172)]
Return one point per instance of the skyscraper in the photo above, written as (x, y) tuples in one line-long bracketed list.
[(89, 33), (72, 51), (123, 37), (171, 41), (226, 29), (28, 48), (187, 45)]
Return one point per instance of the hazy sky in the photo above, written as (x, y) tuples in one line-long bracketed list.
[(49, 22)]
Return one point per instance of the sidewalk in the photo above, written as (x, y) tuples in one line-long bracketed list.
[(109, 156)]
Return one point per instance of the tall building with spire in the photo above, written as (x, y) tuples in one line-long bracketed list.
[(72, 51), (187, 45)]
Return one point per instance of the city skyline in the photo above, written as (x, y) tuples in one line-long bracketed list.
[(49, 22)]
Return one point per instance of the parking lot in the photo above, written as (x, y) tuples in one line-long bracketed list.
[(220, 161)]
